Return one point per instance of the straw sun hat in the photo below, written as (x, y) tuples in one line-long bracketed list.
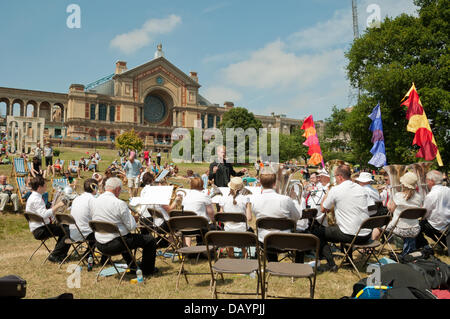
[(236, 183), (409, 180)]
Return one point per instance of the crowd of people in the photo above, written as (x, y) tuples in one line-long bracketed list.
[(342, 207)]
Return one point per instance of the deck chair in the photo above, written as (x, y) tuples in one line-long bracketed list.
[(278, 224), (31, 217), (61, 162), (19, 167), (297, 242), (65, 219), (185, 226), (409, 213), (76, 164), (20, 182), (109, 228), (219, 239), (369, 248)]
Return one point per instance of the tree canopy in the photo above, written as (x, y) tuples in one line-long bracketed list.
[(384, 62), (129, 140)]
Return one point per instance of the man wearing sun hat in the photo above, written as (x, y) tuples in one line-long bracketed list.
[(365, 179)]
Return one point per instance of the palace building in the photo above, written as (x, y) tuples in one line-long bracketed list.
[(153, 99)]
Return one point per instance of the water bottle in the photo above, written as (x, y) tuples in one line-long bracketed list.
[(90, 263), (140, 277)]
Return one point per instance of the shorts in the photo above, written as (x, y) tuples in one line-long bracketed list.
[(48, 161), (133, 182)]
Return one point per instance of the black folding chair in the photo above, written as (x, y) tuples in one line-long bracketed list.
[(218, 239), (65, 219), (368, 248), (277, 224), (109, 228), (222, 218), (31, 217), (296, 242), (409, 213), (188, 226)]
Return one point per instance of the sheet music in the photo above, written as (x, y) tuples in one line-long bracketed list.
[(157, 195)]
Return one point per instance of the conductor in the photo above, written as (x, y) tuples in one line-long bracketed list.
[(220, 170)]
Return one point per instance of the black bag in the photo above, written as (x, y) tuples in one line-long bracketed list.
[(407, 293), (435, 272), (12, 287)]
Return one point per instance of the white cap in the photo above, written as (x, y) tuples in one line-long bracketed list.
[(364, 177), (323, 172)]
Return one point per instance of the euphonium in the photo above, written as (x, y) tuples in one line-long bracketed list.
[(175, 193)]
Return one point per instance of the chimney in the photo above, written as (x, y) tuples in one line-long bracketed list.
[(228, 105), (121, 66), (193, 76)]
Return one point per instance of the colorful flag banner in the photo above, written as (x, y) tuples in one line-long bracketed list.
[(378, 150), (418, 124), (312, 141)]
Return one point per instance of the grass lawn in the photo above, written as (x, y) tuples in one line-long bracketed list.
[(45, 281)]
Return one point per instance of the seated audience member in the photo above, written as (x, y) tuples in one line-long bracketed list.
[(154, 169), (199, 203), (7, 194), (437, 204), (82, 164), (72, 181), (237, 201), (271, 204), (408, 197), (36, 169), (73, 168), (93, 164), (36, 205), (364, 179), (350, 209), (109, 208)]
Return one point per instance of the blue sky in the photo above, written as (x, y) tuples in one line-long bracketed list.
[(284, 56)]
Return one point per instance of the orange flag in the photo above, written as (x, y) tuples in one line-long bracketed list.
[(418, 124), (312, 141)]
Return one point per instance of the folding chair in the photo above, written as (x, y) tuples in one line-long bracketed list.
[(218, 239), (310, 214), (297, 242), (31, 217), (109, 228), (231, 217), (20, 181), (187, 226), (369, 248), (19, 167), (439, 241), (278, 224), (61, 162), (178, 213), (76, 165), (409, 213), (65, 219)]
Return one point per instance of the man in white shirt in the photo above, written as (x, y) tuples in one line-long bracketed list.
[(437, 204), (82, 213), (36, 205), (350, 210), (271, 204), (133, 168), (109, 208), (364, 179)]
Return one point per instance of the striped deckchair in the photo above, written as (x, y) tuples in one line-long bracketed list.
[(59, 183), (19, 168), (20, 181)]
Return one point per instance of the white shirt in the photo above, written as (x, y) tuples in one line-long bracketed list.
[(414, 202), (437, 204), (197, 201), (226, 202), (271, 204), (350, 207), (36, 205), (144, 211), (302, 224), (108, 208), (373, 196), (82, 214)]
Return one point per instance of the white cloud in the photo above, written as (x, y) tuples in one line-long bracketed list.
[(134, 40), (221, 94), (215, 7)]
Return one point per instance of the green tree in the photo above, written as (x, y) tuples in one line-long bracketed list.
[(129, 141), (291, 146), (384, 63)]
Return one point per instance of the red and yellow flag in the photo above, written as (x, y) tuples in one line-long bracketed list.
[(312, 141), (418, 124)]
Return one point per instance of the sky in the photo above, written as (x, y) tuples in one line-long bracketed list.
[(285, 57)]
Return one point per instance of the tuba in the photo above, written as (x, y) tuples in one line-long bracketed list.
[(421, 169), (395, 172), (285, 184), (175, 192)]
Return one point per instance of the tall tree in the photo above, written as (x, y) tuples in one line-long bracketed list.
[(129, 140), (384, 62)]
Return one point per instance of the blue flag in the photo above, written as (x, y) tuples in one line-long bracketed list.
[(378, 150)]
